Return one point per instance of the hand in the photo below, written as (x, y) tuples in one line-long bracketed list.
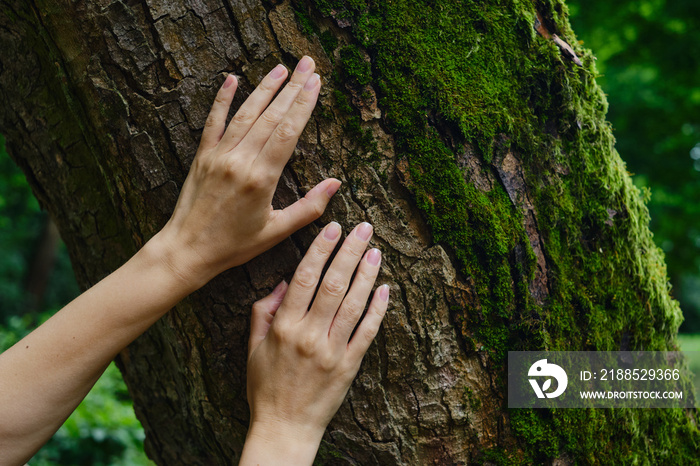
[(303, 356), (224, 215)]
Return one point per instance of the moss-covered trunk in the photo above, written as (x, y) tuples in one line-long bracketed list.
[(465, 131)]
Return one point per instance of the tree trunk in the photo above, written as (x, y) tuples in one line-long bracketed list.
[(464, 131)]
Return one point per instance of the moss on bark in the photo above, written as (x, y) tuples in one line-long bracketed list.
[(475, 76), (503, 144)]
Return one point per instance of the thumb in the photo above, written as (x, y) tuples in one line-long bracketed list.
[(306, 209), (263, 312)]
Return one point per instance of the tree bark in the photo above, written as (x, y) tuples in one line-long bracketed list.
[(466, 132)]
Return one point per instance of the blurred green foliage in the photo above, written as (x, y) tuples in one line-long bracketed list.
[(648, 55), (21, 224), (691, 345), (103, 430)]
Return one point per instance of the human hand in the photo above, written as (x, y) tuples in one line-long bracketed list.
[(303, 356), (224, 216)]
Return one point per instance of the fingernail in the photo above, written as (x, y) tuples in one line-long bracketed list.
[(332, 231), (364, 231), (277, 72), (279, 288), (333, 188), (228, 81), (312, 82), (374, 256), (384, 292), (304, 64)]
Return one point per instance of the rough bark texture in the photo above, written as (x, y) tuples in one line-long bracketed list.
[(465, 132)]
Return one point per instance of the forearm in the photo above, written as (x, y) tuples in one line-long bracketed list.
[(222, 219), (48, 373)]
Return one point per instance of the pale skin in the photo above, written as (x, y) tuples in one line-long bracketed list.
[(300, 363)]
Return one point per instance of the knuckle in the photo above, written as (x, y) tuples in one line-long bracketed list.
[(344, 320), (364, 275), (295, 85), (254, 183), (258, 307), (211, 121), (325, 249), (301, 100), (278, 331), (354, 249), (334, 287), (313, 210), (265, 86), (317, 208), (242, 117), (307, 345), (318, 254), (272, 116), (231, 168), (220, 99), (368, 333), (285, 132), (327, 361), (352, 310), (305, 279)]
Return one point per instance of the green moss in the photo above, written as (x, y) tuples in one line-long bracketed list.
[(363, 138), (474, 74), (342, 102), (536, 430), (497, 456), (329, 43), (306, 24), (355, 68), (327, 453), (595, 436), (342, 9), (473, 402)]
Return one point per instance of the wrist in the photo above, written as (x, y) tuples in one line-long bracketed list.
[(178, 261), (278, 443)]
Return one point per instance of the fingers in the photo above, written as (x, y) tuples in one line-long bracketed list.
[(369, 326), (356, 300), (305, 210), (216, 121), (280, 145), (263, 313), (253, 106), (337, 279), (303, 285), (277, 111)]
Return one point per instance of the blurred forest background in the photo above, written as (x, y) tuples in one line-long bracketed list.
[(648, 55), (649, 64)]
